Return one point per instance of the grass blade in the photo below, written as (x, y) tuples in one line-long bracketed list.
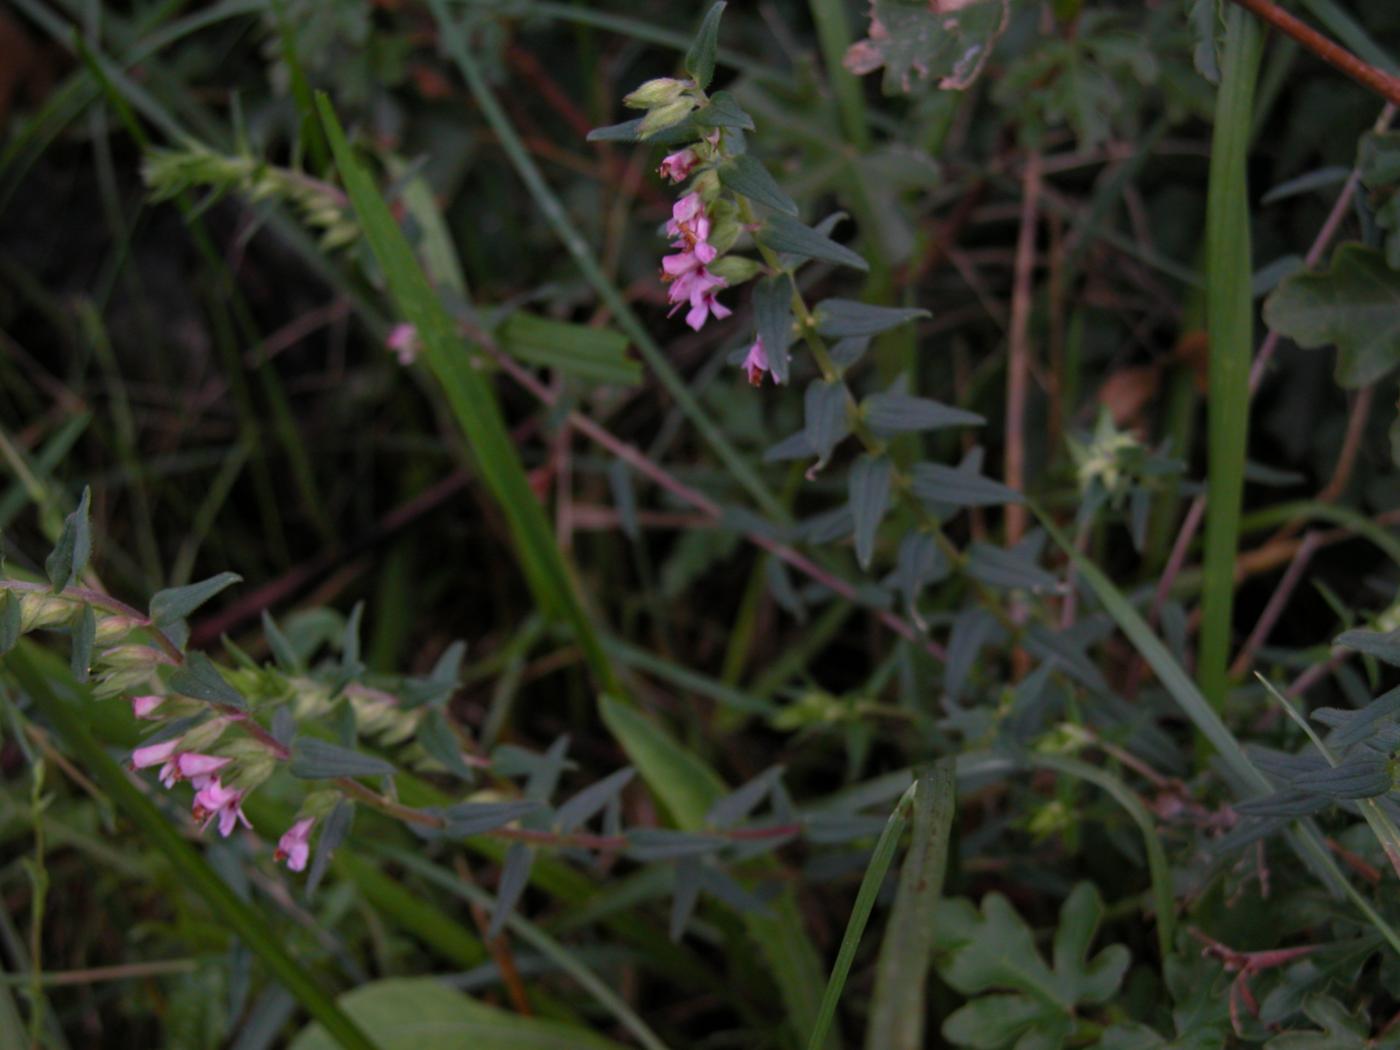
[(194, 872), (898, 1008), (860, 914), (1230, 325), (473, 404)]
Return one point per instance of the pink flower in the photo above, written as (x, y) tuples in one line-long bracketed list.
[(678, 166), (198, 769), (756, 363), (295, 844), (687, 271), (154, 755), (142, 706), (688, 220), (215, 800), (403, 340)]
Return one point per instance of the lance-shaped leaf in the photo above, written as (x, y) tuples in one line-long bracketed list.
[(936, 483), (1007, 569), (746, 175), (515, 875), (700, 59), (1354, 306), (334, 830), (316, 759), (742, 801), (783, 233), (824, 418), (1363, 775), (198, 678), (70, 555), (870, 498), (176, 603), (591, 801), (436, 737), (1385, 647), (772, 314), (84, 632), (9, 621), (896, 413), (845, 318), (722, 112)]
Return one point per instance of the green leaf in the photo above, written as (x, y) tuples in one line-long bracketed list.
[(870, 498), (627, 131), (700, 59), (936, 483), (198, 678), (824, 416), (424, 1014), (1007, 569), (772, 311), (994, 950), (916, 42), (898, 1003), (473, 404), (436, 737), (783, 233), (84, 633), (746, 175), (1354, 306), (843, 318), (1342, 1030), (895, 413), (722, 112), (70, 557), (316, 759), (176, 603), (597, 355)]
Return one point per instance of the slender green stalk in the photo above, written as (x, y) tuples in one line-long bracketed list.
[(1230, 323), (194, 872), (558, 218), (834, 35)]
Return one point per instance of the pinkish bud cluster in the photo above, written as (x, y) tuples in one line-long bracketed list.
[(687, 271)]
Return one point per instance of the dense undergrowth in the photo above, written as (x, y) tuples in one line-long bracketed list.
[(770, 525)]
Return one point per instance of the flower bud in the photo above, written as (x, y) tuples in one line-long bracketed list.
[(251, 772), (707, 185), (724, 232), (43, 610), (320, 803), (203, 737), (114, 628), (132, 656), (659, 92), (735, 269), (663, 117)]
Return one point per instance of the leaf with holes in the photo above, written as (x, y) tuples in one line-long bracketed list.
[(950, 40)]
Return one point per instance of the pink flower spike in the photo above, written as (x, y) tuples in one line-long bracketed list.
[(215, 800), (295, 844), (678, 166), (153, 754), (142, 706)]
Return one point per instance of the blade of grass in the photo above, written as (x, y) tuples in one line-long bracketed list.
[(898, 1007), (1230, 325), (860, 914), (834, 35), (1306, 839), (241, 918), (558, 218), (473, 404), (537, 939)]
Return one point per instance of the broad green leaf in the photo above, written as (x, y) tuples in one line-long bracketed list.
[(70, 555), (315, 759), (197, 677), (423, 1014), (870, 498), (994, 951), (916, 42), (1354, 306), (746, 175), (898, 1004), (783, 233), (844, 318), (597, 355), (176, 603), (700, 59)]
